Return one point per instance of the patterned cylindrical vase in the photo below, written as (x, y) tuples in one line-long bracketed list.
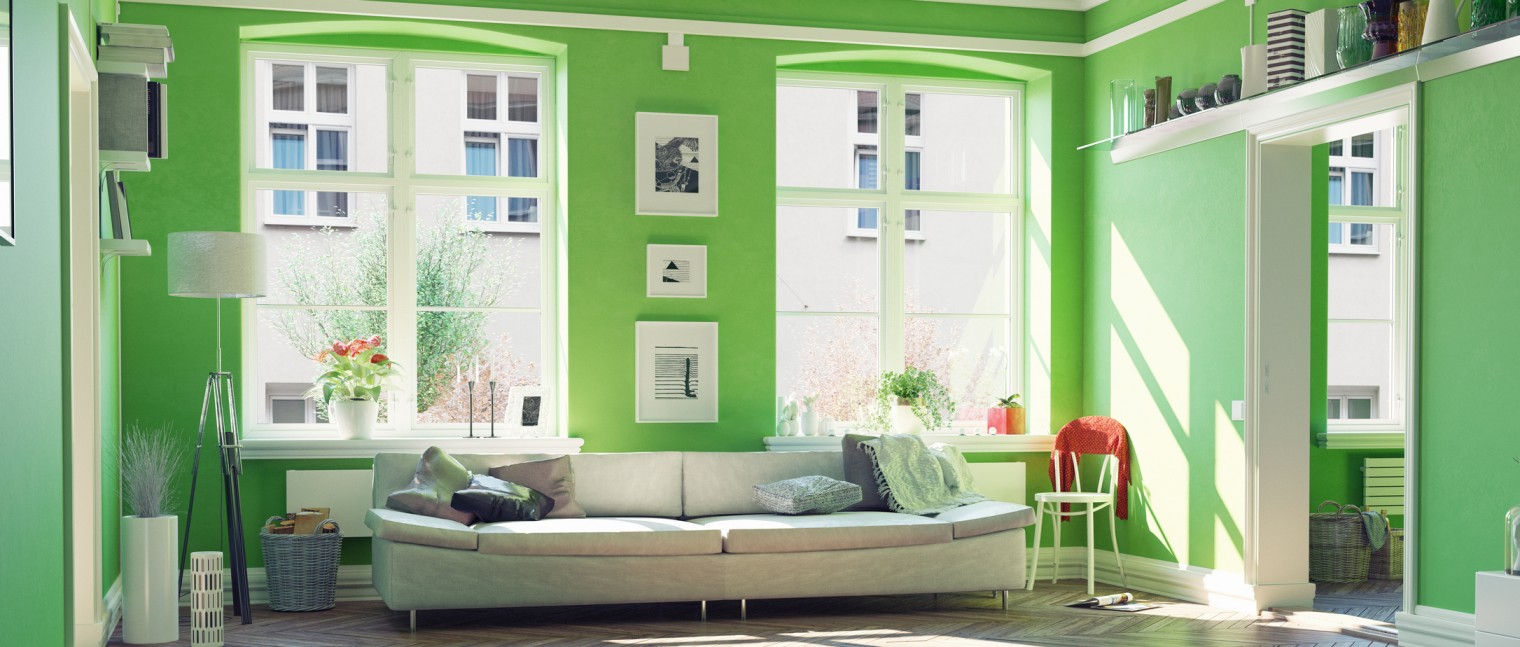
[(206, 599)]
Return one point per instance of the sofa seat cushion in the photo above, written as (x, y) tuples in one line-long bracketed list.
[(773, 533), (987, 517), (599, 536), (408, 528)]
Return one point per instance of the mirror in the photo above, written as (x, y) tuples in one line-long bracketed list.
[(7, 226)]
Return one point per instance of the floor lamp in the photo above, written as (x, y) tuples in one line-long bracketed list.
[(219, 265)]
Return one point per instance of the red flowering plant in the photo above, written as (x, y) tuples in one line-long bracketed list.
[(355, 370)]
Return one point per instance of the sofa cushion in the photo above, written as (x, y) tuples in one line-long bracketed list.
[(408, 528), (719, 483), (634, 484), (492, 499), (599, 536), (807, 495), (772, 533), (553, 477), (987, 517)]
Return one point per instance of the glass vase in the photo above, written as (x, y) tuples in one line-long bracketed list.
[(1488, 12), (1125, 107), (1351, 49), (1412, 23), (1382, 27), (1512, 541)]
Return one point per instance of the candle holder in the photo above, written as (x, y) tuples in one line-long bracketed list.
[(493, 408), (471, 415)]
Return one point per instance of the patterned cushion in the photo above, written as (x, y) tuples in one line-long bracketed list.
[(807, 495)]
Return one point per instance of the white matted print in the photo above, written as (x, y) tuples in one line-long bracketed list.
[(678, 271), (677, 371), (529, 411), (676, 168)]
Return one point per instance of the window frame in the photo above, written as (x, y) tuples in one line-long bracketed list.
[(892, 201), (401, 185)]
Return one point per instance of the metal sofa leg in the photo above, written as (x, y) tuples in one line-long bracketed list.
[(413, 614), (744, 609), (704, 611), (1005, 600)]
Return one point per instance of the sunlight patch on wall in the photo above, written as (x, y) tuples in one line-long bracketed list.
[(1037, 389), (1229, 482), (1163, 468), (1162, 349)]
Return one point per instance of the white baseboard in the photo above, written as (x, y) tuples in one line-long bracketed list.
[(97, 634), (354, 583), (1192, 583), (1435, 627)]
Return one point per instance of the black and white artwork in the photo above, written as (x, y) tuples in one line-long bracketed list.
[(676, 165), (677, 371), (677, 271), (529, 411)]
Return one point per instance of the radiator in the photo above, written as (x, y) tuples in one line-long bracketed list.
[(345, 492), (1383, 485), (999, 481)]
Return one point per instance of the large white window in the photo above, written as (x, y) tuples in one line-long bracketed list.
[(407, 196), (897, 232)]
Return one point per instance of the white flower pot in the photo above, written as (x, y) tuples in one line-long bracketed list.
[(904, 422), (355, 418), (149, 590), (791, 428), (810, 423)]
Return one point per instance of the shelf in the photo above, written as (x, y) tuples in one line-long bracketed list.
[(1470, 50), (124, 161), (283, 448), (112, 248), (1041, 443)]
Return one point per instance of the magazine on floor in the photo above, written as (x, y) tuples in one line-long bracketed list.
[(1117, 602)]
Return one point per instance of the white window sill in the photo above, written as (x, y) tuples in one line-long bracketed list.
[(1361, 439), (309, 221), (1041, 443), (859, 232), (284, 448), (1362, 250)]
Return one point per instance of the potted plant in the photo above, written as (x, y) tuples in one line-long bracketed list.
[(151, 462), (911, 402), (809, 415), (1007, 417), (786, 416), (354, 376)]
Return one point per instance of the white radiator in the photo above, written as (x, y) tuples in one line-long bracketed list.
[(999, 481), (1383, 485), (345, 492)]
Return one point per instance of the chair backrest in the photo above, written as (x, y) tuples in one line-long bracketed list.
[(1090, 435)]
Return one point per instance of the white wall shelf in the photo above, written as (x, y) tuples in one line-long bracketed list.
[(284, 448), (1040, 443), (1492, 44), (124, 161), (112, 248)]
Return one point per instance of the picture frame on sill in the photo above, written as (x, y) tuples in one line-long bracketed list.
[(530, 412), (677, 371), (675, 164), (676, 271)]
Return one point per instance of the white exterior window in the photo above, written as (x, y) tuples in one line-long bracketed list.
[(898, 237), (1352, 403), (407, 197)]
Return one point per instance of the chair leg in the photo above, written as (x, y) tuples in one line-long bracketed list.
[(1090, 558), (704, 611), (413, 614), (1055, 529), (1034, 564), (1113, 534)]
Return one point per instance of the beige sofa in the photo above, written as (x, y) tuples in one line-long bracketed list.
[(683, 526)]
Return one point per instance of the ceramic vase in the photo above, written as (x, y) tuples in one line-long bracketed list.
[(1512, 541), (1253, 70), (1005, 420), (809, 423), (1440, 21), (1382, 27), (355, 418), (149, 590), (905, 422)]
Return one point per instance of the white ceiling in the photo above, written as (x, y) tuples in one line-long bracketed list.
[(1066, 5)]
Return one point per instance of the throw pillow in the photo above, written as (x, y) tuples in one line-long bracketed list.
[(438, 477), (807, 495), (551, 476), (860, 469), (493, 499), (953, 464)]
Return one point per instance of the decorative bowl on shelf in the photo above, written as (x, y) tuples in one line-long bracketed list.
[(1205, 97), (1187, 102), (1228, 89)]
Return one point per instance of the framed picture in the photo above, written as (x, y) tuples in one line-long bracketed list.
[(529, 411), (677, 371), (677, 271), (676, 164)]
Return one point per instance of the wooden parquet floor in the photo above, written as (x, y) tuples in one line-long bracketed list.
[(970, 620), (1373, 599)]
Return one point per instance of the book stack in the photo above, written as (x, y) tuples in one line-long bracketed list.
[(1285, 48), (147, 45)]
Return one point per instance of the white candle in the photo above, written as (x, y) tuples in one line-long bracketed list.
[(477, 371), (458, 373)]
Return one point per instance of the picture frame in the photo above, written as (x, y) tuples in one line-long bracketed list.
[(677, 371), (676, 271), (530, 411), (675, 164)]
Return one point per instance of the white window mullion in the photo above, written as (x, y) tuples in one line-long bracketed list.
[(403, 237), (890, 225)]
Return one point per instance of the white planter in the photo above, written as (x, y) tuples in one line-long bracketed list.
[(791, 428), (904, 422), (355, 418), (149, 586), (810, 423)]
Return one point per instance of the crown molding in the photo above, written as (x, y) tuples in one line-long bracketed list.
[(1058, 5)]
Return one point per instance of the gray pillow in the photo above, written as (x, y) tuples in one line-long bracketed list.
[(807, 495), (493, 499), (432, 488), (551, 476), (860, 469)]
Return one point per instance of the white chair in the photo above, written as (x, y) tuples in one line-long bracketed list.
[(1050, 502)]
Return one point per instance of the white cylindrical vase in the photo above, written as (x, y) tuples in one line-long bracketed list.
[(1253, 70), (809, 421), (149, 590), (905, 422), (355, 418), (206, 599)]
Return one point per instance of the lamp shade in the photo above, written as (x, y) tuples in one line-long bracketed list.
[(216, 264)]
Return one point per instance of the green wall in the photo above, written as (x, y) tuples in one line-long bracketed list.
[(611, 75)]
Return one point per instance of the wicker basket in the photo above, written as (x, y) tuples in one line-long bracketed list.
[(1338, 548), (302, 569), (1388, 562)]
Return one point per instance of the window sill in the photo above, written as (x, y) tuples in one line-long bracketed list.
[(1355, 250), (286, 448), (1348, 439), (1041, 443)]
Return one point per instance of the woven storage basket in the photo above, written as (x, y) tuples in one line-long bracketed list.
[(1338, 549), (302, 569), (1388, 562)]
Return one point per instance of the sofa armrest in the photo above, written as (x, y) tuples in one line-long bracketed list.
[(408, 528)]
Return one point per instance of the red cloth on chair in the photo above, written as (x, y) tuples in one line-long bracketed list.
[(1092, 435)]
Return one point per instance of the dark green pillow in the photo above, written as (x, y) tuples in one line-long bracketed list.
[(438, 477), (493, 499)]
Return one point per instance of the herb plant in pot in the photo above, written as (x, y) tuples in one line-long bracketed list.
[(355, 375), (151, 463), (911, 402), (1007, 417)]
